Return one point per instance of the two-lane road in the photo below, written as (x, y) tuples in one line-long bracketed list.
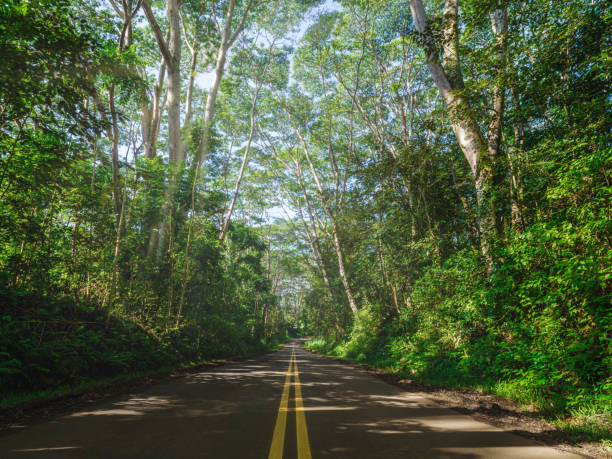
[(289, 404)]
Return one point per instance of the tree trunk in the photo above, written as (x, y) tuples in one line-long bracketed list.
[(115, 151), (174, 84), (312, 235), (211, 99), (171, 53), (517, 190), (150, 112), (385, 276), (499, 24), (190, 85), (175, 144), (245, 157), (449, 80), (228, 37), (115, 269), (334, 228)]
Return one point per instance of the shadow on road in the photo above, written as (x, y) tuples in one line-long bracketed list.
[(229, 412)]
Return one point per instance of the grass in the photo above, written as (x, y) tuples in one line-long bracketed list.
[(591, 422)]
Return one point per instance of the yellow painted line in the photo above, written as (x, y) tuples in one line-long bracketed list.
[(278, 438), (303, 444)]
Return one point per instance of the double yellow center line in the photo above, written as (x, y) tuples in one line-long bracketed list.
[(278, 438)]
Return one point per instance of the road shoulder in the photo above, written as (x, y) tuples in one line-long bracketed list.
[(496, 411)]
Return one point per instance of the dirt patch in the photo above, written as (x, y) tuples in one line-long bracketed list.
[(499, 412)]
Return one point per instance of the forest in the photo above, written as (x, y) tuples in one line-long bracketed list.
[(421, 186)]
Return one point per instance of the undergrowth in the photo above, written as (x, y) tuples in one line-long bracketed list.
[(51, 346)]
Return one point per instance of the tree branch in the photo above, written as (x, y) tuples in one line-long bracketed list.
[(163, 46)]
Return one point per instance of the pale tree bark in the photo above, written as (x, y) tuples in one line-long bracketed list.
[(448, 78), (121, 229), (194, 53), (247, 149), (228, 37), (322, 195), (190, 85), (227, 219), (193, 45), (332, 220), (377, 123), (115, 152), (310, 225), (115, 268), (517, 159), (312, 234), (310, 230), (151, 107), (171, 54), (173, 61), (193, 49), (150, 111), (313, 240), (385, 276), (150, 114), (499, 24)]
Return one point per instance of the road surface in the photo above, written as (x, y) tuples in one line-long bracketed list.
[(289, 404)]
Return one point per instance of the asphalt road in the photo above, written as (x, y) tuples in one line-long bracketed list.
[(289, 404)]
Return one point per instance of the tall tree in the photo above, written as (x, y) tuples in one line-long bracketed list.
[(445, 68)]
